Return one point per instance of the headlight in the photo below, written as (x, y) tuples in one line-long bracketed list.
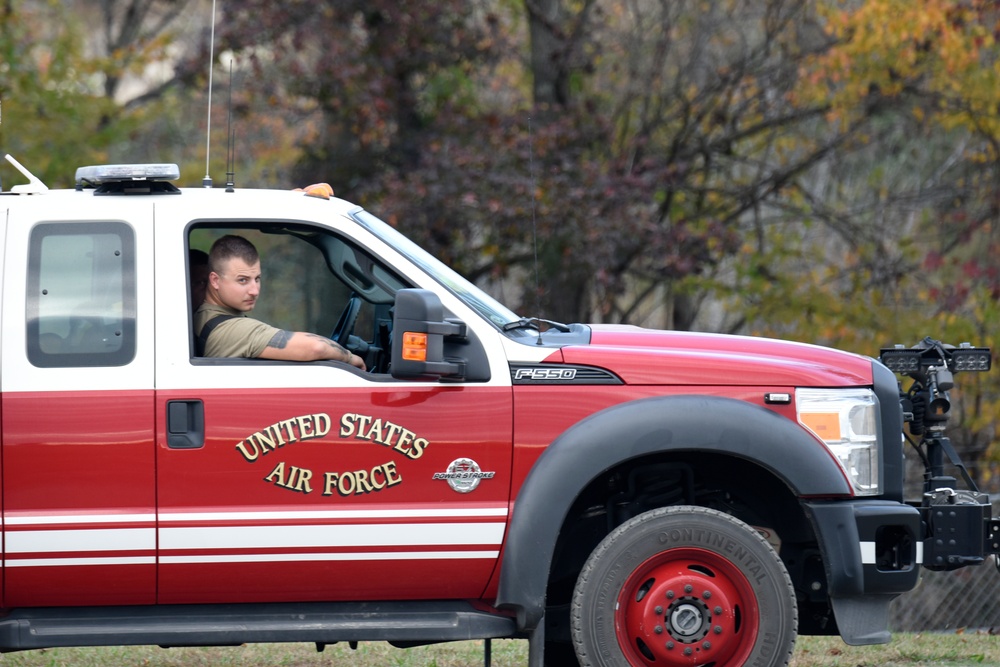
[(846, 420)]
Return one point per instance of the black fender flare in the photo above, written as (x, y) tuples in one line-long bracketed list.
[(634, 429)]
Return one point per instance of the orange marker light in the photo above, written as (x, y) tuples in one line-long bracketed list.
[(824, 424), (414, 346), (321, 190)]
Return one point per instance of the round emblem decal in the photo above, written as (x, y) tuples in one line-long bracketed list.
[(463, 475)]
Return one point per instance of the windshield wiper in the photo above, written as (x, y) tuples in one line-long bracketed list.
[(535, 323)]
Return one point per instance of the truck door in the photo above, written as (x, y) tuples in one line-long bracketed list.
[(310, 481), (77, 404)]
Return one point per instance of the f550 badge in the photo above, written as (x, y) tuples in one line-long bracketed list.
[(463, 475), (545, 374)]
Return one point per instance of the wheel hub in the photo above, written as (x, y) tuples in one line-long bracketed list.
[(686, 608), (688, 619)]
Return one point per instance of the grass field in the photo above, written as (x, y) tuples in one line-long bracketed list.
[(925, 650)]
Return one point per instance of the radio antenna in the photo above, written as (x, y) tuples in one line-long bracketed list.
[(207, 181), (534, 224), (230, 138)]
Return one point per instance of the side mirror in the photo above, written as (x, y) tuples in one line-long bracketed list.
[(419, 334)]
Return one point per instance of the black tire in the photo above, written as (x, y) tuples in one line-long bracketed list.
[(560, 654), (683, 586)]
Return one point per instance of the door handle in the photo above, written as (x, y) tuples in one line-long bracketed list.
[(185, 424)]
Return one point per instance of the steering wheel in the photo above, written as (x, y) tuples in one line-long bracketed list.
[(345, 325)]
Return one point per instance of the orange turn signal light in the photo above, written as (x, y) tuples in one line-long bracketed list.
[(824, 424), (414, 346)]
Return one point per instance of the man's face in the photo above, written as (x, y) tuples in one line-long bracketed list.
[(237, 287)]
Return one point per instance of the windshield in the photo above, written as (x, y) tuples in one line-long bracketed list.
[(483, 303)]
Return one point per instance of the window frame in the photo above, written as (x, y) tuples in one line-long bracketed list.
[(125, 353)]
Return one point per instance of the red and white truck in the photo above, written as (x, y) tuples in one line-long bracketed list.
[(614, 494)]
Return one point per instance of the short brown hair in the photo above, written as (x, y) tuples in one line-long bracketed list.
[(228, 247)]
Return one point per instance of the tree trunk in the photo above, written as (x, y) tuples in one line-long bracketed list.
[(545, 18)]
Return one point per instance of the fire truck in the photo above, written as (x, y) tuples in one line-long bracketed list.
[(613, 494)]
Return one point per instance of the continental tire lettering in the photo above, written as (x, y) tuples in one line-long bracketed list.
[(736, 551)]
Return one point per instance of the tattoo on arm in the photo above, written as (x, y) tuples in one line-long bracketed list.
[(340, 348), (280, 339), (329, 342)]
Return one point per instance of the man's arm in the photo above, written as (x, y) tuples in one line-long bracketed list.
[(304, 346)]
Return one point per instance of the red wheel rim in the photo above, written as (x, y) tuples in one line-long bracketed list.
[(687, 607)]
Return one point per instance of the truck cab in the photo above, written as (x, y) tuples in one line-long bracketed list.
[(614, 494)]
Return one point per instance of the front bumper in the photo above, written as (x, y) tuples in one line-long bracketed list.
[(872, 552)]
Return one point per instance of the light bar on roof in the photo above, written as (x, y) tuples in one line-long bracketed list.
[(117, 173)]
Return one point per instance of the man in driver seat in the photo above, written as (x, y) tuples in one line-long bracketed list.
[(223, 327)]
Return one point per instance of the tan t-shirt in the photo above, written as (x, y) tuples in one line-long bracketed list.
[(241, 336)]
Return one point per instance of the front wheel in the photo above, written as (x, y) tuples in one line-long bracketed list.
[(683, 586)]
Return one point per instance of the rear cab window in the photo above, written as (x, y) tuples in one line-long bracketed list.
[(81, 296)]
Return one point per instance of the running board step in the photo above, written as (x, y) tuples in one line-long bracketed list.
[(228, 625)]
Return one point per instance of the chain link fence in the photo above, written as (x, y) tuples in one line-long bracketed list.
[(968, 598), (948, 601)]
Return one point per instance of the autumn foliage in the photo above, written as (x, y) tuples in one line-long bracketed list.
[(824, 171)]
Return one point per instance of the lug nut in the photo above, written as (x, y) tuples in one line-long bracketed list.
[(670, 595), (658, 629), (670, 646), (707, 594), (688, 588), (657, 610), (688, 651), (717, 629), (706, 645)]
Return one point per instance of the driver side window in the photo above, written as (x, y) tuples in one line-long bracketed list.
[(320, 283)]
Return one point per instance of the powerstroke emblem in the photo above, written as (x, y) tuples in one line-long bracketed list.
[(463, 475)]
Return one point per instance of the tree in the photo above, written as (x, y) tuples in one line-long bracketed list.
[(667, 123), (825, 171), (910, 212), (373, 71), (49, 113), (63, 82), (644, 126)]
